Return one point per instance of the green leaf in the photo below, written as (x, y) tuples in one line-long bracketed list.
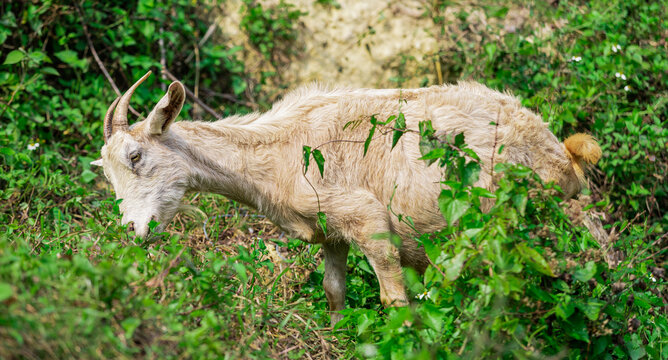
[(306, 153), (130, 325), (322, 222), (451, 208), (591, 308), (453, 266), (368, 139), (6, 291), (426, 128), (586, 273), (241, 272), (67, 56), (14, 57), (49, 71), (399, 124), (7, 151), (70, 57), (534, 259), (433, 154), (88, 176), (490, 49), (565, 308), (364, 321), (576, 327), (320, 160)]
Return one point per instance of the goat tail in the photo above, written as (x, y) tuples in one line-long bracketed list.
[(583, 148)]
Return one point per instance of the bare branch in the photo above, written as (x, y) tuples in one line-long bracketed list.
[(100, 64), (163, 61)]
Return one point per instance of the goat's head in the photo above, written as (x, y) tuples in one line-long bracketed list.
[(144, 172)]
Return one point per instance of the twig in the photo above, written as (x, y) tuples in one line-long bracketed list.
[(196, 110), (206, 37), (192, 95), (18, 87), (163, 61), (229, 97), (100, 64), (496, 138)]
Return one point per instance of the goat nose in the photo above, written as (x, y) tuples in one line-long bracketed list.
[(131, 226)]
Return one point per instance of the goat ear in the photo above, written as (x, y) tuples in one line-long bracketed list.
[(167, 109), (583, 148), (97, 162)]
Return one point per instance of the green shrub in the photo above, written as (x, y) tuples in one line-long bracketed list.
[(520, 280)]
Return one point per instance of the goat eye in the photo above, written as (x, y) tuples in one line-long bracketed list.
[(135, 158)]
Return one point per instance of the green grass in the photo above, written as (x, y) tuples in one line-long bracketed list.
[(74, 283)]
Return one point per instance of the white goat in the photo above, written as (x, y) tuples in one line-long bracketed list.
[(256, 159)]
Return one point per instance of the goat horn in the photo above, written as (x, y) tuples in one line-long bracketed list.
[(120, 121), (107, 120)]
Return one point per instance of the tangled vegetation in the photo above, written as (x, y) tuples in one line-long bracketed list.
[(526, 279)]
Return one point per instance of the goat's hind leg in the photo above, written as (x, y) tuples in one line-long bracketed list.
[(361, 218), (334, 283)]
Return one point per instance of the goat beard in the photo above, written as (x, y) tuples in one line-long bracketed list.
[(192, 211)]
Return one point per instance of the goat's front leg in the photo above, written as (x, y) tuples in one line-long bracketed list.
[(336, 256)]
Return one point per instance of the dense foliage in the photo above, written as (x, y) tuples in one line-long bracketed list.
[(525, 279)]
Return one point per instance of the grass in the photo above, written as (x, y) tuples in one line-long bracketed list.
[(74, 283)]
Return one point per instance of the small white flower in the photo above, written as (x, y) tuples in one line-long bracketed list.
[(616, 48), (627, 88), (33, 146), (652, 278), (575, 59), (620, 75), (425, 294)]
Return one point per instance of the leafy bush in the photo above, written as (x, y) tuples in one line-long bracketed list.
[(598, 67), (519, 280)]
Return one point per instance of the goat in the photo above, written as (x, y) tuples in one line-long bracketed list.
[(256, 159)]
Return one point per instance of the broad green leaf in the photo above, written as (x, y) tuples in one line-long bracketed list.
[(67, 56), (364, 321), (241, 272), (320, 161), (433, 154), (534, 259), (585, 273), (14, 57), (88, 176), (453, 266), (565, 308), (452, 209), (576, 327), (591, 308)]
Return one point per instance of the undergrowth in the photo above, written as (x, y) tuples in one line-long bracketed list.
[(523, 280)]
